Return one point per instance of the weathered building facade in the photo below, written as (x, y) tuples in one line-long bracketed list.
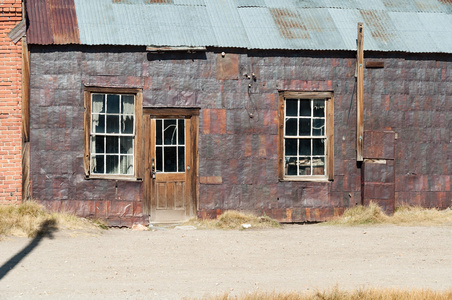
[(173, 130)]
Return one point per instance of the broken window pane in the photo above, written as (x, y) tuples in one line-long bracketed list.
[(170, 132), (113, 121), (318, 128), (181, 131), (319, 108)]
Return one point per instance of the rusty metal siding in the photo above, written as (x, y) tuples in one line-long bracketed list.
[(52, 22), (411, 97)]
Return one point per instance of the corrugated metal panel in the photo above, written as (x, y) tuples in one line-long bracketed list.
[(143, 24), (226, 24), (389, 25), (39, 30), (52, 22)]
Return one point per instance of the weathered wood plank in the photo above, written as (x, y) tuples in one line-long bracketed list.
[(359, 98)]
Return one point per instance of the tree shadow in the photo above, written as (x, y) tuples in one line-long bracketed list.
[(46, 230)]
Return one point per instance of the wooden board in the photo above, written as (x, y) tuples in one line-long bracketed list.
[(359, 98)]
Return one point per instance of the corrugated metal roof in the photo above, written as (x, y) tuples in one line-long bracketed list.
[(52, 22), (389, 25)]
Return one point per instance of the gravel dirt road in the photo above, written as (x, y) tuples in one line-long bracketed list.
[(174, 264)]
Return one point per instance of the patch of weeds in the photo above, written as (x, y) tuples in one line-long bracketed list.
[(232, 219), (403, 215), (27, 219)]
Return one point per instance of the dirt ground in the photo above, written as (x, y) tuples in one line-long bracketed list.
[(174, 264)]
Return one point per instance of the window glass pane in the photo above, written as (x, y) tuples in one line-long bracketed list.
[(112, 164), (305, 147), (305, 108), (291, 166), (112, 144), (97, 164), (291, 147), (319, 108), (97, 144), (158, 132), (305, 166), (318, 166), (305, 127), (318, 147), (291, 108), (127, 104), (127, 124), (126, 164), (98, 123), (170, 164), (181, 132), (158, 159), (98, 105), (113, 104), (170, 132), (181, 159), (126, 145), (318, 128), (113, 124), (291, 126)]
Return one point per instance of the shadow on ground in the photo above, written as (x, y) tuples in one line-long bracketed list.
[(46, 230)]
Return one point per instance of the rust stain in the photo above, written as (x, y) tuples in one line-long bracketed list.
[(289, 24), (377, 25), (446, 1), (63, 21)]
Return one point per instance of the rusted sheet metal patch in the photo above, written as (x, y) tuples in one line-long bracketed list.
[(290, 24), (227, 66), (52, 22), (378, 23)]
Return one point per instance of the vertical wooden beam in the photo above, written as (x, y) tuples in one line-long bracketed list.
[(359, 95), (25, 120)]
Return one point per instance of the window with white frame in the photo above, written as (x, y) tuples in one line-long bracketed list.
[(306, 142), (111, 126)]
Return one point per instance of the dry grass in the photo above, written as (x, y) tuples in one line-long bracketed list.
[(337, 294), (404, 215), (28, 219), (233, 220)]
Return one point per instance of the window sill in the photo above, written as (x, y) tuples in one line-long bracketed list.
[(113, 177), (306, 178)]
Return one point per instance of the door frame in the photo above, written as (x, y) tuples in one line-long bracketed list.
[(192, 174)]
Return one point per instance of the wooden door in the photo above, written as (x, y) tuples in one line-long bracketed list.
[(171, 170)]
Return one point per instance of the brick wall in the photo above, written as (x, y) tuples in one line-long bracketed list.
[(10, 105)]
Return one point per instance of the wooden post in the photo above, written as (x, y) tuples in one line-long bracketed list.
[(26, 193), (359, 96)]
